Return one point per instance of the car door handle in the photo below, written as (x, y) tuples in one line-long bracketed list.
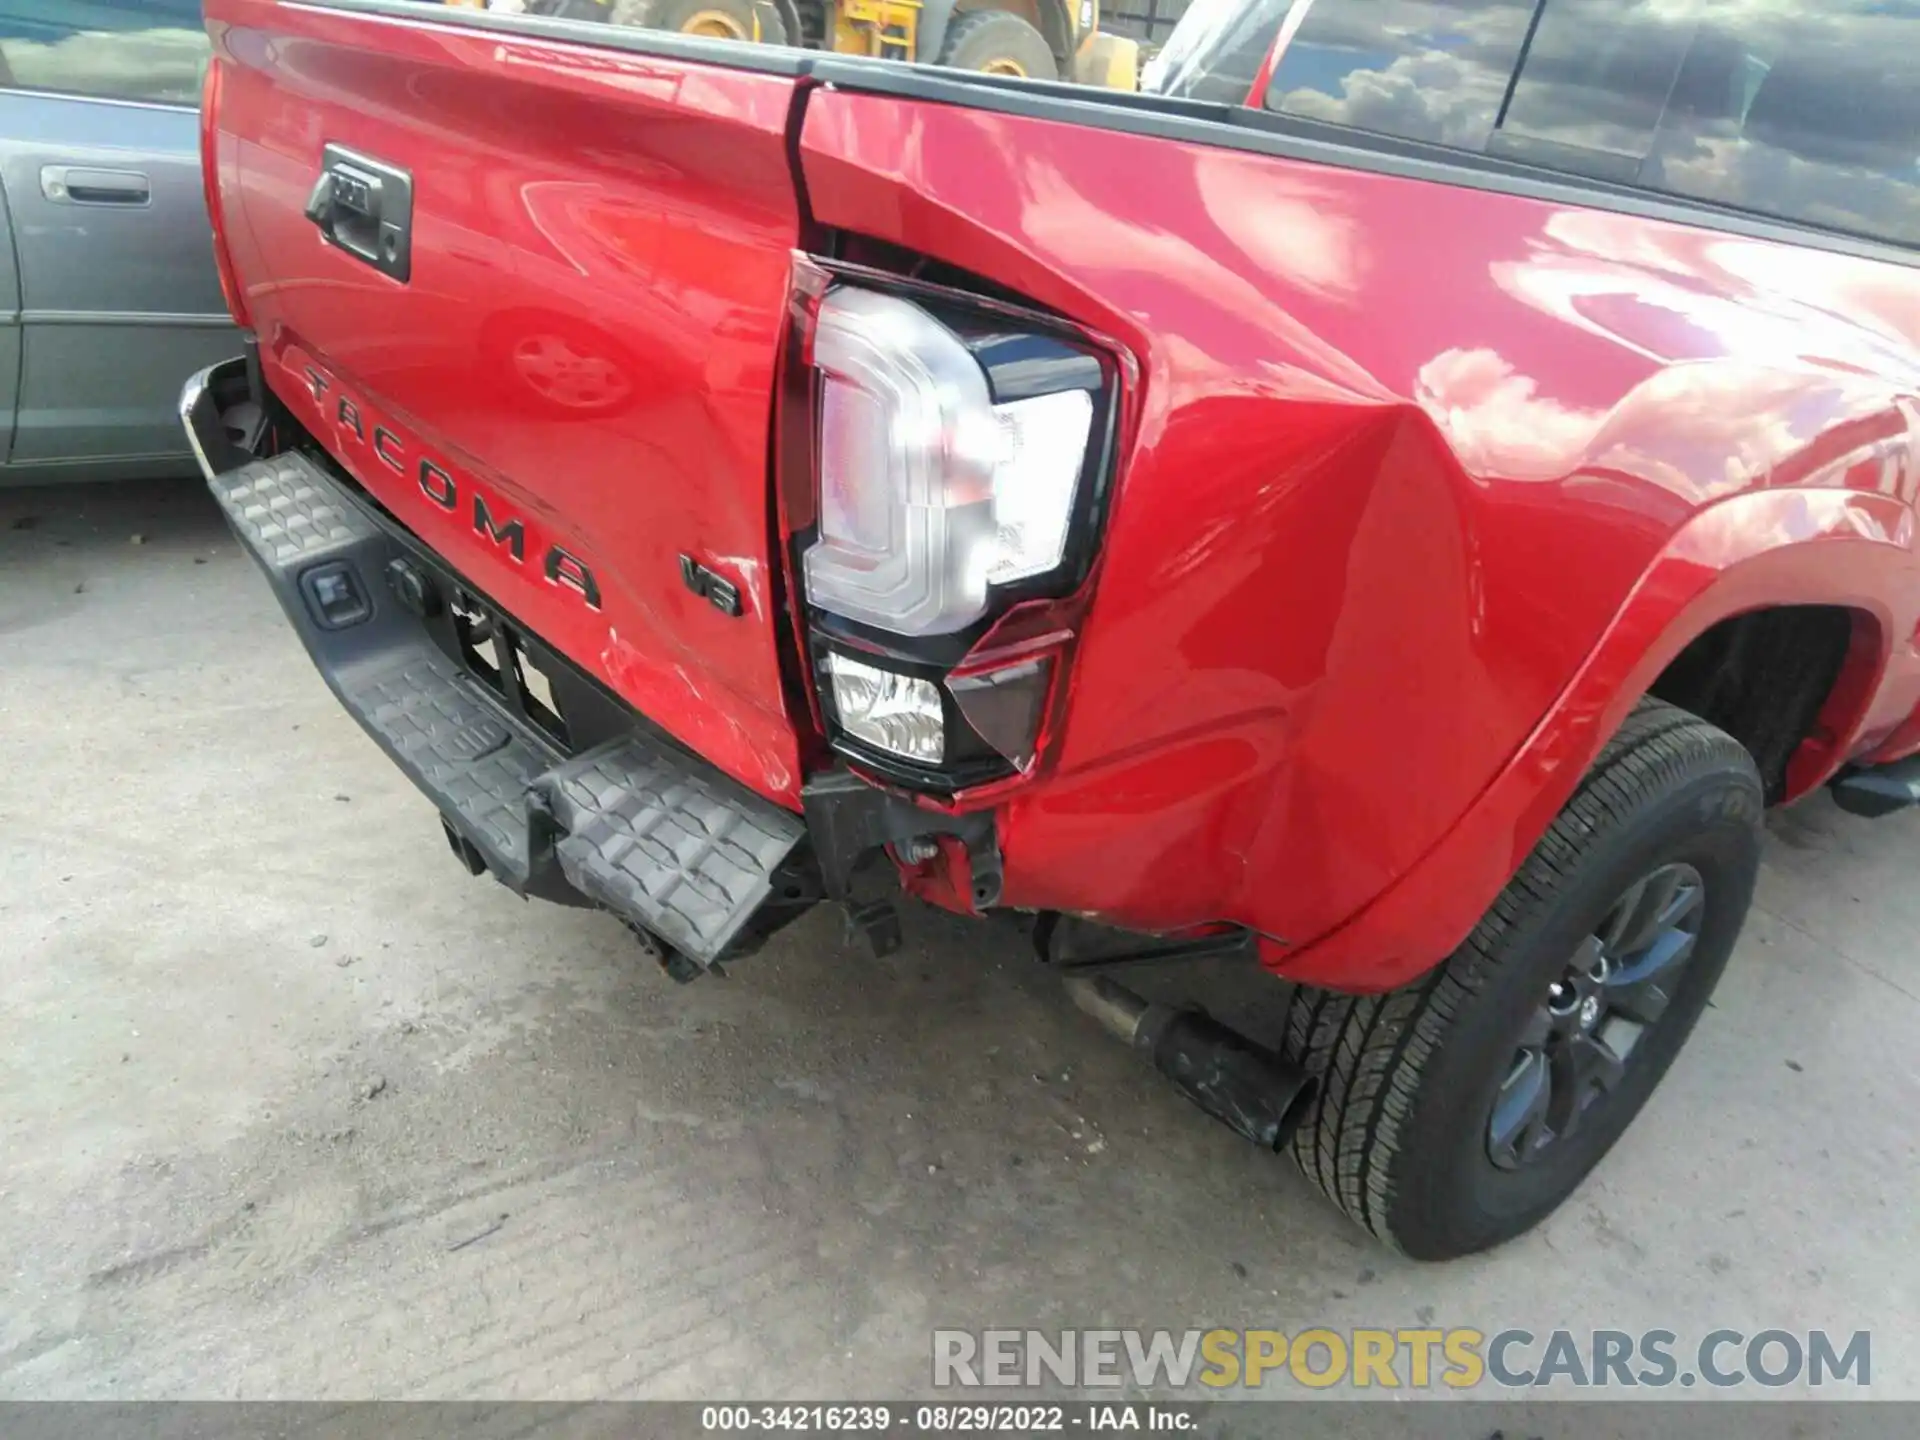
[(78, 185)]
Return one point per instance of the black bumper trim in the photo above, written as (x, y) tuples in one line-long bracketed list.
[(647, 831)]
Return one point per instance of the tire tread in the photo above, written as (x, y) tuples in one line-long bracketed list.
[(1371, 1051)]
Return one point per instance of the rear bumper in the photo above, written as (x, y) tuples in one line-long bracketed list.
[(200, 411), (632, 823)]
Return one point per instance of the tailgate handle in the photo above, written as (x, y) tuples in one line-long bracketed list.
[(365, 207)]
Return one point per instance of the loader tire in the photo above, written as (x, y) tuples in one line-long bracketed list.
[(715, 19), (1459, 1111), (997, 42)]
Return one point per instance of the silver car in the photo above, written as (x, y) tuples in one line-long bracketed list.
[(108, 292)]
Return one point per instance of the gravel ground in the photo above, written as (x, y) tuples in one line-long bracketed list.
[(294, 1108)]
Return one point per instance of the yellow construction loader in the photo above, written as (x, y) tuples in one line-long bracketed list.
[(1035, 39)]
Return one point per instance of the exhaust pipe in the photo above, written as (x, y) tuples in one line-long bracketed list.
[(1243, 1085)]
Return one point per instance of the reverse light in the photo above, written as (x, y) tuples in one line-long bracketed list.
[(896, 713), (930, 493)]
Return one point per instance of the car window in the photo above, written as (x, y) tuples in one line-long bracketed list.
[(1433, 70), (1805, 112), (1802, 112), (1216, 50), (1151, 22), (153, 50)]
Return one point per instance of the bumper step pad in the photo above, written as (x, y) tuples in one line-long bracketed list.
[(443, 735), (636, 826), (646, 837), (286, 511)]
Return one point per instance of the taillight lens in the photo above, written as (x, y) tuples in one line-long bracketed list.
[(1005, 706), (931, 492), (1043, 445), (946, 460)]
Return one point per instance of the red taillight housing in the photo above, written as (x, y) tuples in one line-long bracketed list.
[(945, 466), (210, 186), (1007, 683)]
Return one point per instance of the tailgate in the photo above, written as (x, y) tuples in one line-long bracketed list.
[(566, 386)]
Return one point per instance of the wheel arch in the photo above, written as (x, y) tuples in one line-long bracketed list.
[(1764, 550), (1790, 682)]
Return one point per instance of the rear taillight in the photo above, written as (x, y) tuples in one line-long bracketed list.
[(210, 185), (932, 490), (958, 453)]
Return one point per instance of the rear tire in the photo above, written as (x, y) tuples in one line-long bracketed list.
[(998, 42), (1416, 1132)]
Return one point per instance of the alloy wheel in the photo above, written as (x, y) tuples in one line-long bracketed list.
[(1577, 1046)]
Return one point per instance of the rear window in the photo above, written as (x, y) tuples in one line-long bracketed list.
[(1803, 112), (1215, 51), (1432, 70)]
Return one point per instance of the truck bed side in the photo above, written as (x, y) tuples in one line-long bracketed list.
[(1426, 467)]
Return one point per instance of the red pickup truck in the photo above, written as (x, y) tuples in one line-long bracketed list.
[(1399, 518)]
